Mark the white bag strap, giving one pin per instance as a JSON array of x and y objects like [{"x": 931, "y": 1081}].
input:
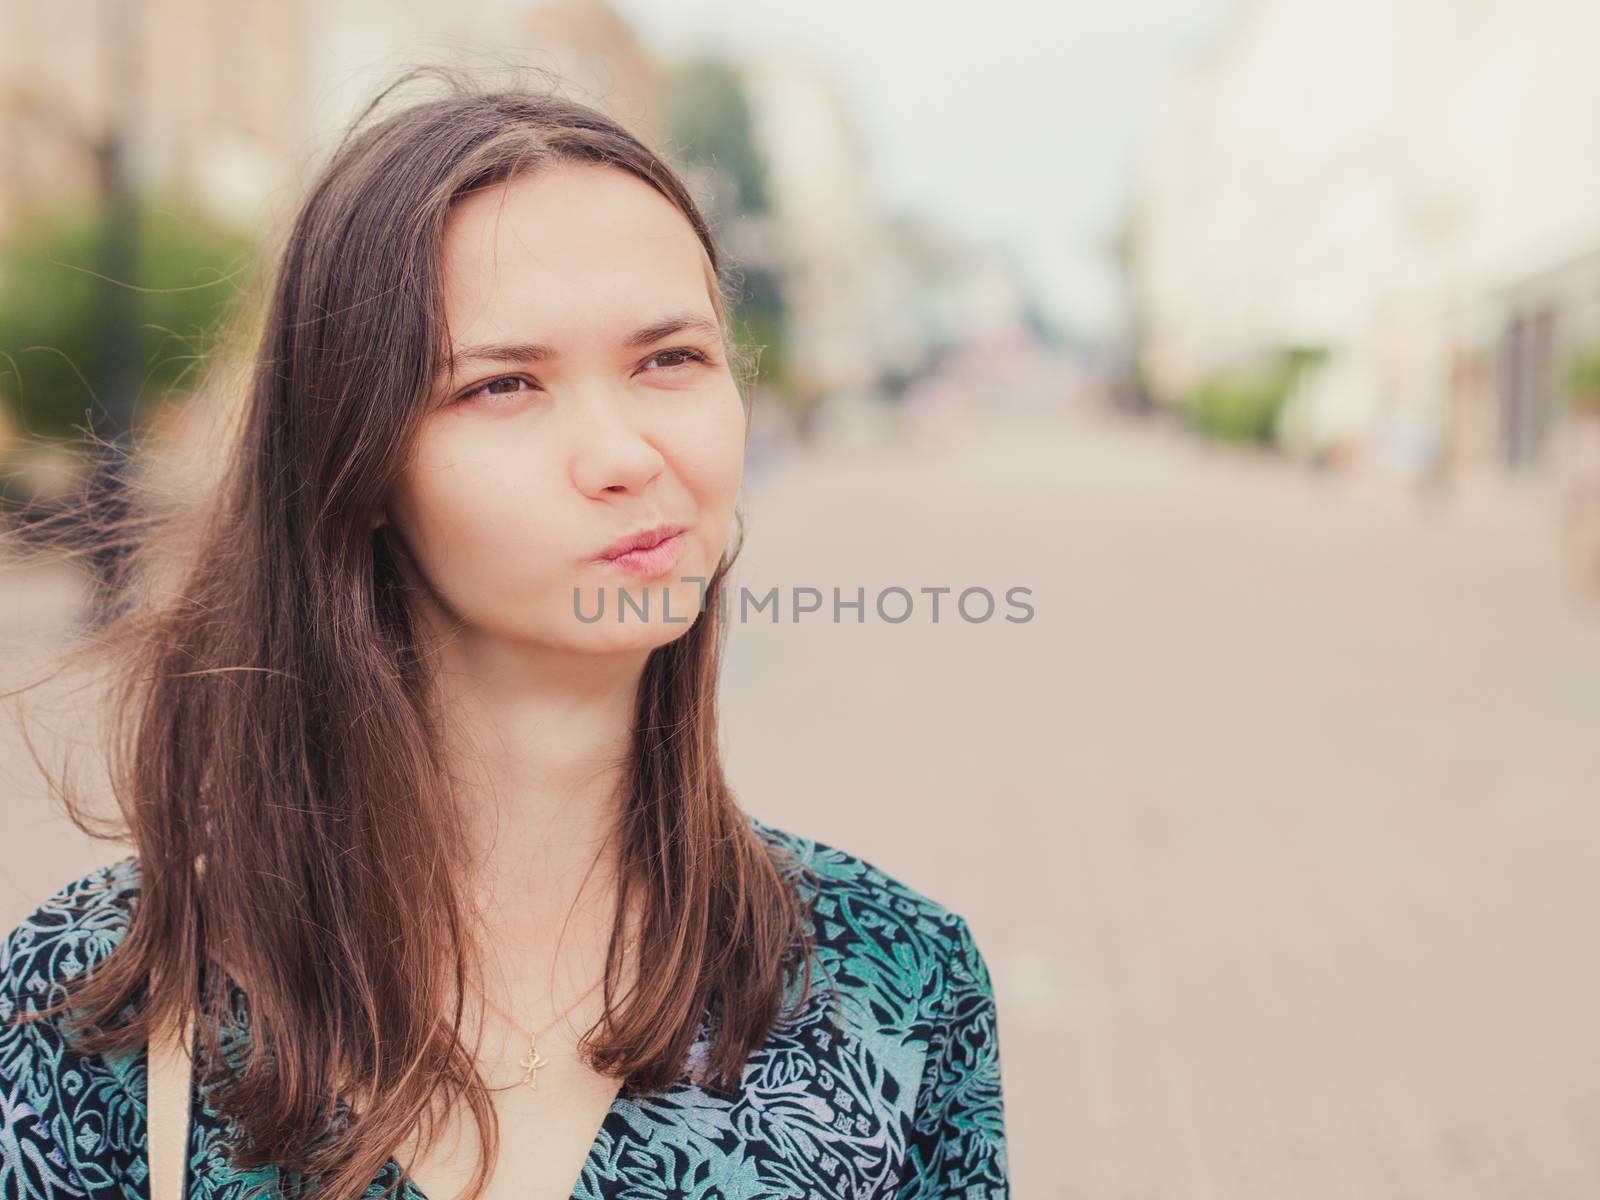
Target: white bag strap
[{"x": 170, "y": 1078}]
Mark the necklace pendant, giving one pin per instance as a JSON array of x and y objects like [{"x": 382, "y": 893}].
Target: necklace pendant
[{"x": 532, "y": 1062}]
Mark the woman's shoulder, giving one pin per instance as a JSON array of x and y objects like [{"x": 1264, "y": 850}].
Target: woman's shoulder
[
  {"x": 842, "y": 878},
  {"x": 890, "y": 936},
  {"x": 919, "y": 1052},
  {"x": 70, "y": 931}
]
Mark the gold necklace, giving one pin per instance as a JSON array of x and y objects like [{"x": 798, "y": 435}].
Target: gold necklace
[{"x": 531, "y": 1062}]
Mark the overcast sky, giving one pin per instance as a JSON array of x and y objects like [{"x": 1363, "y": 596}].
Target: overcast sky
[{"x": 1012, "y": 118}]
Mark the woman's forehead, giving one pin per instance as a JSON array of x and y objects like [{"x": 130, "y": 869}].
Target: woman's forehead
[{"x": 572, "y": 242}]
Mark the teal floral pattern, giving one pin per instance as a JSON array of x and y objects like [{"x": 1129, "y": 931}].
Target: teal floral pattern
[{"x": 886, "y": 1084}]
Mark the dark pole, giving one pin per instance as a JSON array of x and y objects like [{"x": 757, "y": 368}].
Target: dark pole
[{"x": 118, "y": 373}]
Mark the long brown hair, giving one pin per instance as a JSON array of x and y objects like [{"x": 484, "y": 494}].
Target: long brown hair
[{"x": 276, "y": 754}]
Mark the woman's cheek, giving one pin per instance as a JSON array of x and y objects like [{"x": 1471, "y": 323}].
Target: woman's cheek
[
  {"x": 716, "y": 449},
  {"x": 481, "y": 527}
]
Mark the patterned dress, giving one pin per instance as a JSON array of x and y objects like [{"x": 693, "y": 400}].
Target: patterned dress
[{"x": 889, "y": 1087}]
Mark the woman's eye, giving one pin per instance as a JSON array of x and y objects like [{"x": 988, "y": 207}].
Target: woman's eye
[
  {"x": 688, "y": 355},
  {"x": 505, "y": 385}
]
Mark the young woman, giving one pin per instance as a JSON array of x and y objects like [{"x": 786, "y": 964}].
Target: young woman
[{"x": 446, "y": 871}]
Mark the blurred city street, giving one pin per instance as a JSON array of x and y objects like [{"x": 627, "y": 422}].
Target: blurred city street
[{"x": 1274, "y": 823}]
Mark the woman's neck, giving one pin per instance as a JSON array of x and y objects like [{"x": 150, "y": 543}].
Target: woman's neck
[{"x": 543, "y": 744}]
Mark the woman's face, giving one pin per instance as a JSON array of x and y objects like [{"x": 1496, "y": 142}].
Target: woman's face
[{"x": 590, "y": 398}]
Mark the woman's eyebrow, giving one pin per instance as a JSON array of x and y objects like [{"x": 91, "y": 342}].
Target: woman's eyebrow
[{"x": 506, "y": 352}]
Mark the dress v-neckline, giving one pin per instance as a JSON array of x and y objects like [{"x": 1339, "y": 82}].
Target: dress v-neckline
[
  {"x": 410, "y": 1191},
  {"x": 615, "y": 1122}
]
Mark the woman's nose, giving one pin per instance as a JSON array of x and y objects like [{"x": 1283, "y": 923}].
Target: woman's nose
[{"x": 610, "y": 450}]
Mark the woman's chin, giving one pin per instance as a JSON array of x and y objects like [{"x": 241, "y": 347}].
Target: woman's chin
[{"x": 635, "y": 636}]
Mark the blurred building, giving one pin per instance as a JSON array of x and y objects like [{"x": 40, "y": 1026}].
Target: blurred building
[
  {"x": 826, "y": 225},
  {"x": 591, "y": 46},
  {"x": 232, "y": 102},
  {"x": 871, "y": 299},
  {"x": 211, "y": 96},
  {"x": 1411, "y": 185}
]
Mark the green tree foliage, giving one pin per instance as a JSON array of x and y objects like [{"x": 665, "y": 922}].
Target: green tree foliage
[
  {"x": 1583, "y": 379},
  {"x": 190, "y": 271},
  {"x": 708, "y": 117},
  {"x": 1243, "y": 404}
]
